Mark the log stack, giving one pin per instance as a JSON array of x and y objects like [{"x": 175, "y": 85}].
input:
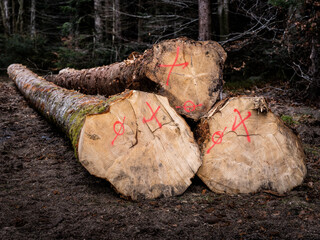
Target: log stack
[{"x": 138, "y": 141}]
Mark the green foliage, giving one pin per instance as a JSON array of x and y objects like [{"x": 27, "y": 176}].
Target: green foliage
[
  {"x": 33, "y": 52},
  {"x": 288, "y": 120}
]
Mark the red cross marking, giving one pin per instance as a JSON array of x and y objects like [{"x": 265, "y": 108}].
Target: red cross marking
[
  {"x": 234, "y": 126},
  {"x": 153, "y": 116},
  {"x": 118, "y": 133},
  {"x": 185, "y": 64},
  {"x": 219, "y": 140}
]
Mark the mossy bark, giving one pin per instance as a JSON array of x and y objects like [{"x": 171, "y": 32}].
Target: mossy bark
[
  {"x": 135, "y": 140},
  {"x": 65, "y": 108}
]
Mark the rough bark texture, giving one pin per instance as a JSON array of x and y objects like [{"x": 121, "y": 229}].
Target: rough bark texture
[
  {"x": 33, "y": 18},
  {"x": 4, "y": 6},
  {"x": 223, "y": 13},
  {"x": 188, "y": 72},
  {"x": 98, "y": 21},
  {"x": 135, "y": 140},
  {"x": 204, "y": 20},
  {"x": 247, "y": 148},
  {"x": 65, "y": 108}
]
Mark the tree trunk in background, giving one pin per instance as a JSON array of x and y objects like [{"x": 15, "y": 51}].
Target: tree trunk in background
[
  {"x": 140, "y": 23},
  {"x": 107, "y": 16},
  {"x": 188, "y": 72},
  {"x": 314, "y": 72},
  {"x": 245, "y": 148},
  {"x": 116, "y": 32},
  {"x": 223, "y": 13},
  {"x": 204, "y": 20},
  {"x": 98, "y": 21},
  {"x": 20, "y": 15},
  {"x": 33, "y": 18},
  {"x": 135, "y": 140},
  {"x": 4, "y": 4},
  {"x": 13, "y": 17}
]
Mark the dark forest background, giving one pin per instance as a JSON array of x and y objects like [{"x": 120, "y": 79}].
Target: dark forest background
[{"x": 266, "y": 40}]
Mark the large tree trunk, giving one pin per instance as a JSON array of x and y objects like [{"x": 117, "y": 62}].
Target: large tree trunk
[
  {"x": 245, "y": 148},
  {"x": 116, "y": 32},
  {"x": 223, "y": 12},
  {"x": 189, "y": 73},
  {"x": 4, "y": 6},
  {"x": 204, "y": 20},
  {"x": 107, "y": 19},
  {"x": 20, "y": 15},
  {"x": 33, "y": 18},
  {"x": 98, "y": 21},
  {"x": 135, "y": 140},
  {"x": 13, "y": 17}
]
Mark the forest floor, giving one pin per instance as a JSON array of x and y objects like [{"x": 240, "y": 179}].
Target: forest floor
[{"x": 46, "y": 194}]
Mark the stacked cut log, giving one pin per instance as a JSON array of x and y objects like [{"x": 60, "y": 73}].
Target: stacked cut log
[
  {"x": 187, "y": 72},
  {"x": 245, "y": 147},
  {"x": 137, "y": 140}
]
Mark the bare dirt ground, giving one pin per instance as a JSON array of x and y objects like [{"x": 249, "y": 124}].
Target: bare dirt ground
[{"x": 46, "y": 194}]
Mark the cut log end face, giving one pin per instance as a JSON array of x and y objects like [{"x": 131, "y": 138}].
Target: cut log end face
[
  {"x": 141, "y": 146},
  {"x": 190, "y": 74},
  {"x": 247, "y": 150}
]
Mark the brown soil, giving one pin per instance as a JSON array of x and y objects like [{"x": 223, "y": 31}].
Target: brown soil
[{"x": 46, "y": 194}]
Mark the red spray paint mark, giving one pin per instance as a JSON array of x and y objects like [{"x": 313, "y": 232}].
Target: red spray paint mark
[
  {"x": 118, "y": 133},
  {"x": 153, "y": 116},
  {"x": 241, "y": 122},
  {"x": 189, "y": 107},
  {"x": 185, "y": 64},
  {"x": 219, "y": 140},
  {"x": 234, "y": 127}
]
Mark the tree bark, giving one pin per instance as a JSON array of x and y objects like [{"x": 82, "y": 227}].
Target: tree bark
[
  {"x": 33, "y": 18},
  {"x": 4, "y": 5},
  {"x": 13, "y": 17},
  {"x": 20, "y": 15},
  {"x": 116, "y": 32},
  {"x": 223, "y": 12},
  {"x": 107, "y": 17},
  {"x": 140, "y": 23},
  {"x": 204, "y": 20},
  {"x": 135, "y": 140},
  {"x": 98, "y": 21},
  {"x": 246, "y": 148},
  {"x": 189, "y": 73}
]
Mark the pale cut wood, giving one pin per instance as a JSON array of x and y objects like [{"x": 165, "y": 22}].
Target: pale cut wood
[
  {"x": 244, "y": 156},
  {"x": 146, "y": 161},
  {"x": 187, "y": 72},
  {"x": 135, "y": 140}
]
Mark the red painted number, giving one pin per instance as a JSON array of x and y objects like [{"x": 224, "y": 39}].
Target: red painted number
[
  {"x": 120, "y": 130},
  {"x": 185, "y": 64},
  {"x": 153, "y": 115},
  {"x": 219, "y": 140},
  {"x": 189, "y": 106},
  {"x": 234, "y": 127}
]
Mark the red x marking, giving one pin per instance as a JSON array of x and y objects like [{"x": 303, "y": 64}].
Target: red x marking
[
  {"x": 153, "y": 115},
  {"x": 185, "y": 64},
  {"x": 241, "y": 122}
]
